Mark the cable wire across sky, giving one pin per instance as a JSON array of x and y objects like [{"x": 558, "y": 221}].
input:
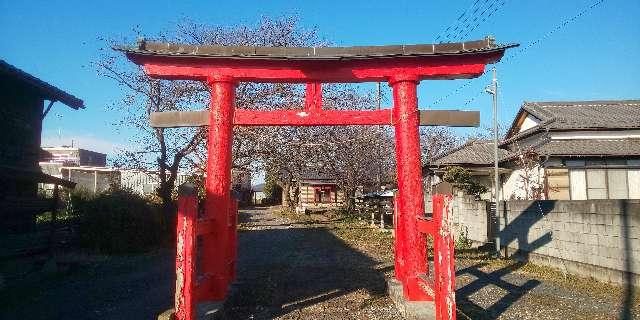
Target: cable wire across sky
[{"x": 518, "y": 53}]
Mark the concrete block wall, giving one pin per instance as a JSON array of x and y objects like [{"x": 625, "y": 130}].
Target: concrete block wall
[
  {"x": 470, "y": 219},
  {"x": 594, "y": 238}
]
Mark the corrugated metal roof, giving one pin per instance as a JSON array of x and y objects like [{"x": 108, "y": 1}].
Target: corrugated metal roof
[
  {"x": 312, "y": 53},
  {"x": 47, "y": 91}
]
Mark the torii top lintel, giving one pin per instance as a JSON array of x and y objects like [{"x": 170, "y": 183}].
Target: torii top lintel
[{"x": 321, "y": 64}]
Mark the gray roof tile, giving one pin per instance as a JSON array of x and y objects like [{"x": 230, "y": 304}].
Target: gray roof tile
[
  {"x": 475, "y": 152},
  {"x": 577, "y": 115},
  {"x": 621, "y": 147}
]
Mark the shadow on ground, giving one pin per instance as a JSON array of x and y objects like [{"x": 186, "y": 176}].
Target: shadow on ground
[
  {"x": 289, "y": 268},
  {"x": 510, "y": 292},
  {"x": 123, "y": 287}
]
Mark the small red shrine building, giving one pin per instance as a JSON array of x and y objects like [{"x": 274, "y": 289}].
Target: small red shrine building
[{"x": 318, "y": 192}]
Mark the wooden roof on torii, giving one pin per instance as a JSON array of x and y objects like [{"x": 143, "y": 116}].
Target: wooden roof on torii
[{"x": 315, "y": 65}]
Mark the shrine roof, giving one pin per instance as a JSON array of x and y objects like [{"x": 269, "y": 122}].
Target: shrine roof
[{"x": 145, "y": 47}]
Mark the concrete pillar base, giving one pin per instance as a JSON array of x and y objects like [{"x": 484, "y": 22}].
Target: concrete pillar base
[{"x": 411, "y": 310}]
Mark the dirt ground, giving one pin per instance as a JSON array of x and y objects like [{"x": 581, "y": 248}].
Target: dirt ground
[{"x": 311, "y": 268}]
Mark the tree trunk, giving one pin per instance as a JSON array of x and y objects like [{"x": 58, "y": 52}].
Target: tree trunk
[
  {"x": 349, "y": 202},
  {"x": 286, "y": 197},
  {"x": 296, "y": 196},
  {"x": 168, "y": 206}
]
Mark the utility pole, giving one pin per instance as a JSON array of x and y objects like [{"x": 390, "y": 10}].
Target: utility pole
[
  {"x": 493, "y": 90},
  {"x": 378, "y": 164}
]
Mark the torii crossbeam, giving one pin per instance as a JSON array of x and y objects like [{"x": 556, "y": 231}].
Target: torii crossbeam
[{"x": 402, "y": 67}]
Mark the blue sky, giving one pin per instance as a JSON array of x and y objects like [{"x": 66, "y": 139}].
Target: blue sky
[{"x": 597, "y": 56}]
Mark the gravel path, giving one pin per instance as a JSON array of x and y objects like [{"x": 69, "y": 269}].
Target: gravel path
[
  {"x": 315, "y": 269},
  {"x": 335, "y": 271},
  {"x": 304, "y": 271},
  {"x": 485, "y": 291}
]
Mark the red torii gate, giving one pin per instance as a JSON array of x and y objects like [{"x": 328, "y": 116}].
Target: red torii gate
[{"x": 402, "y": 66}]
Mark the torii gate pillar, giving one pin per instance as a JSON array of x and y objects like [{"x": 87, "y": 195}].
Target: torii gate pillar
[
  {"x": 218, "y": 186},
  {"x": 409, "y": 262},
  {"x": 403, "y": 67}
]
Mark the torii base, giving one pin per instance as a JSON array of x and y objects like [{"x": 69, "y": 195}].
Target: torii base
[
  {"x": 205, "y": 311},
  {"x": 410, "y": 310}
]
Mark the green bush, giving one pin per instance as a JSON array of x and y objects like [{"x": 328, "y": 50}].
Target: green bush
[
  {"x": 462, "y": 241},
  {"x": 118, "y": 222},
  {"x": 461, "y": 178}
]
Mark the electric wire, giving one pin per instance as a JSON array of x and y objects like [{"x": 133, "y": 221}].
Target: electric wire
[
  {"x": 557, "y": 28},
  {"x": 484, "y": 17},
  {"x": 463, "y": 17},
  {"x": 520, "y": 52},
  {"x": 479, "y": 16},
  {"x": 467, "y": 24},
  {"x": 466, "y": 31}
]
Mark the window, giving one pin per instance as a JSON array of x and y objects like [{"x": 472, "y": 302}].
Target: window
[
  {"x": 633, "y": 176},
  {"x": 604, "y": 179},
  {"x": 578, "y": 183},
  {"x": 596, "y": 184},
  {"x": 322, "y": 195},
  {"x": 617, "y": 182}
]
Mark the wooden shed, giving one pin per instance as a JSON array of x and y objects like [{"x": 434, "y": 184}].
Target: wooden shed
[{"x": 22, "y": 101}]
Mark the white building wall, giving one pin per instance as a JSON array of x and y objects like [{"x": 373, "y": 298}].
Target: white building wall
[
  {"x": 634, "y": 184},
  {"x": 529, "y": 122},
  {"x": 513, "y": 183},
  {"x": 144, "y": 182},
  {"x": 578, "y": 135}
]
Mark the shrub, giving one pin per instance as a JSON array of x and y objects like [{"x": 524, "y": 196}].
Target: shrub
[
  {"x": 118, "y": 221},
  {"x": 462, "y": 241},
  {"x": 461, "y": 178}
]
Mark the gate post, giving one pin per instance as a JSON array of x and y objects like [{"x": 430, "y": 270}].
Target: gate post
[
  {"x": 185, "y": 300},
  {"x": 398, "y": 245},
  {"x": 412, "y": 258},
  {"x": 233, "y": 239},
  {"x": 215, "y": 255}
]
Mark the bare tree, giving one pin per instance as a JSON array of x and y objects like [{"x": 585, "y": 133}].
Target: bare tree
[
  {"x": 486, "y": 133},
  {"x": 530, "y": 178},
  {"x": 168, "y": 150},
  {"x": 353, "y": 154},
  {"x": 435, "y": 141}
]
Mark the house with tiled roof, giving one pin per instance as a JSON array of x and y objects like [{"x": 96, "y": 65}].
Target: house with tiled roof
[
  {"x": 564, "y": 150},
  {"x": 476, "y": 155}
]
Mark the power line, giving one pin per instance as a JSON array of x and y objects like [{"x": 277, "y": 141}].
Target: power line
[
  {"x": 520, "y": 52},
  {"x": 554, "y": 30},
  {"x": 447, "y": 31},
  {"x": 478, "y": 16},
  {"x": 443, "y": 98},
  {"x": 482, "y": 9},
  {"x": 484, "y": 17},
  {"x": 474, "y": 9}
]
